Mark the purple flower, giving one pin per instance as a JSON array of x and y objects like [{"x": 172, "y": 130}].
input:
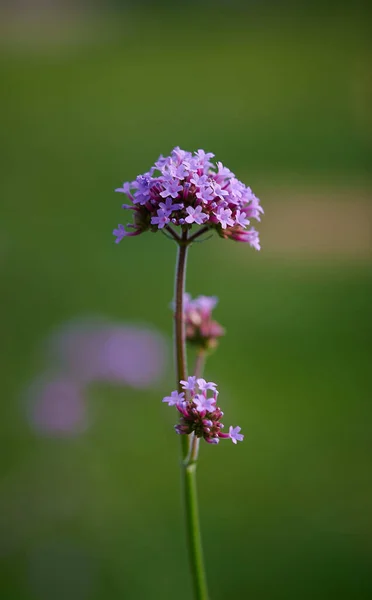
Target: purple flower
[
  {"x": 204, "y": 404},
  {"x": 178, "y": 171},
  {"x": 194, "y": 409},
  {"x": 251, "y": 237},
  {"x": 168, "y": 207},
  {"x": 203, "y": 159},
  {"x": 236, "y": 188},
  {"x": 143, "y": 188},
  {"x": 174, "y": 398},
  {"x": 171, "y": 188},
  {"x": 186, "y": 302},
  {"x": 119, "y": 233},
  {"x": 224, "y": 217},
  {"x": 201, "y": 330},
  {"x": 203, "y": 156},
  {"x": 161, "y": 219},
  {"x": 199, "y": 180},
  {"x": 189, "y": 384},
  {"x": 208, "y": 194},
  {"x": 125, "y": 190},
  {"x": 179, "y": 154},
  {"x": 223, "y": 172},
  {"x": 206, "y": 385},
  {"x": 195, "y": 215},
  {"x": 240, "y": 219},
  {"x": 96, "y": 349},
  {"x": 205, "y": 193},
  {"x": 85, "y": 351},
  {"x": 238, "y": 234},
  {"x": 235, "y": 435},
  {"x": 253, "y": 209},
  {"x": 218, "y": 191},
  {"x": 205, "y": 304},
  {"x": 161, "y": 162},
  {"x": 57, "y": 406}
]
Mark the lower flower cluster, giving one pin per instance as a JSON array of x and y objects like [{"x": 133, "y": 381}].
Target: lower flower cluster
[{"x": 199, "y": 413}]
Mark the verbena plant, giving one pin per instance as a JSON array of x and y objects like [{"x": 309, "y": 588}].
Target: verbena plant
[{"x": 185, "y": 196}]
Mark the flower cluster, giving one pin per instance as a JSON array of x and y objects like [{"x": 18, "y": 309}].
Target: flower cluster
[
  {"x": 186, "y": 189},
  {"x": 201, "y": 330},
  {"x": 200, "y": 413}
]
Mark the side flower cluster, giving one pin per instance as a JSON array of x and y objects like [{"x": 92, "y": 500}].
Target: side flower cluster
[
  {"x": 186, "y": 189},
  {"x": 201, "y": 329},
  {"x": 199, "y": 412}
]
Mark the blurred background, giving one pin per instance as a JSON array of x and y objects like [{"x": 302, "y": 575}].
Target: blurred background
[{"x": 91, "y": 94}]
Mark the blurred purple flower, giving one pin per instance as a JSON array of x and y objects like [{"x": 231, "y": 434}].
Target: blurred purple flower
[
  {"x": 133, "y": 356},
  {"x": 99, "y": 350},
  {"x": 85, "y": 351},
  {"x": 57, "y": 406}
]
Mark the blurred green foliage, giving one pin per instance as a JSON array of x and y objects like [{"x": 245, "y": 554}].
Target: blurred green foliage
[{"x": 286, "y": 515}]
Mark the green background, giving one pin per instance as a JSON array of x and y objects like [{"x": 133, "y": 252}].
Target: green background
[{"x": 282, "y": 96}]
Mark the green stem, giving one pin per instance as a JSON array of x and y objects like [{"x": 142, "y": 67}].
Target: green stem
[
  {"x": 179, "y": 326},
  {"x": 192, "y": 524},
  {"x": 189, "y": 444},
  {"x": 200, "y": 362}
]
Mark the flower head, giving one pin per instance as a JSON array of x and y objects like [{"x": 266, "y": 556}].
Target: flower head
[
  {"x": 187, "y": 189},
  {"x": 199, "y": 413},
  {"x": 201, "y": 329}
]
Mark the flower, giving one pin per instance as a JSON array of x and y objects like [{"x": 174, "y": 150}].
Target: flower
[
  {"x": 199, "y": 413},
  {"x": 119, "y": 233},
  {"x": 187, "y": 189},
  {"x": 201, "y": 329},
  {"x": 235, "y": 435},
  {"x": 83, "y": 352},
  {"x": 161, "y": 219},
  {"x": 189, "y": 384},
  {"x": 195, "y": 215},
  {"x": 141, "y": 222},
  {"x": 204, "y": 404},
  {"x": 168, "y": 206},
  {"x": 57, "y": 405},
  {"x": 224, "y": 217},
  {"x": 171, "y": 187},
  {"x": 206, "y": 385},
  {"x": 238, "y": 234},
  {"x": 96, "y": 349},
  {"x": 174, "y": 398},
  {"x": 240, "y": 219}
]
